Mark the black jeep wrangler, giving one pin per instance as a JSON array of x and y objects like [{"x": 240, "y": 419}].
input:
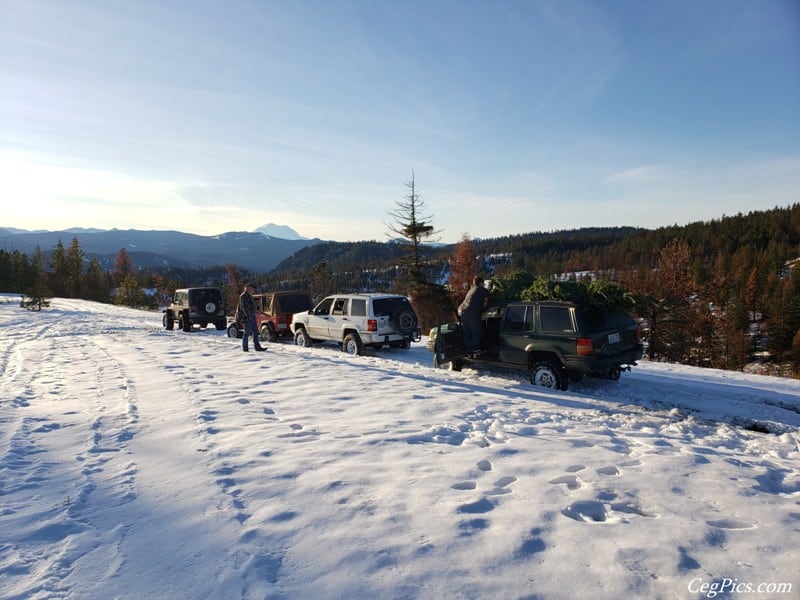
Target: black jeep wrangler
[{"x": 201, "y": 305}]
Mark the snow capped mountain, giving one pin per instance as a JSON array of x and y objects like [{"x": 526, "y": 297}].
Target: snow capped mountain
[{"x": 283, "y": 232}]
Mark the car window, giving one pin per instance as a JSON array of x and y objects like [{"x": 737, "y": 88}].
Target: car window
[
  {"x": 515, "y": 318},
  {"x": 324, "y": 307},
  {"x": 556, "y": 319},
  {"x": 202, "y": 297},
  {"x": 597, "y": 319},
  {"x": 265, "y": 303},
  {"x": 340, "y": 306},
  {"x": 291, "y": 304},
  {"x": 385, "y": 307},
  {"x": 358, "y": 307}
]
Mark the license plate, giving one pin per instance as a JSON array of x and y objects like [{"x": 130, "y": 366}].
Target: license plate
[{"x": 613, "y": 338}]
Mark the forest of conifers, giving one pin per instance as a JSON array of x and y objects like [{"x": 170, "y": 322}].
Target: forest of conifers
[{"x": 717, "y": 293}]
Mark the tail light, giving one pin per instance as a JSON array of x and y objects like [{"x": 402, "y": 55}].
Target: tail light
[
  {"x": 372, "y": 325},
  {"x": 585, "y": 346}
]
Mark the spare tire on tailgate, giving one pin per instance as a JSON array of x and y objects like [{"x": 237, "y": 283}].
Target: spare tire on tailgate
[{"x": 405, "y": 320}]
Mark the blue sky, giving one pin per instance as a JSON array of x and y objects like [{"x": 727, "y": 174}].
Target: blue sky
[{"x": 514, "y": 116}]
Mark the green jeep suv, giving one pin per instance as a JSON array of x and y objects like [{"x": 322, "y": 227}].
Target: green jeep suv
[{"x": 555, "y": 341}]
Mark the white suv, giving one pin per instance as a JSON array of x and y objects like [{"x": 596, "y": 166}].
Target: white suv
[{"x": 358, "y": 320}]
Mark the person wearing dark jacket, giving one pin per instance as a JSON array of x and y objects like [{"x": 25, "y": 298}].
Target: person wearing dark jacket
[
  {"x": 246, "y": 318},
  {"x": 470, "y": 311}
]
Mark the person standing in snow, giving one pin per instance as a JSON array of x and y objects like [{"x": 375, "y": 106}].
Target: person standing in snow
[
  {"x": 470, "y": 311},
  {"x": 246, "y": 318}
]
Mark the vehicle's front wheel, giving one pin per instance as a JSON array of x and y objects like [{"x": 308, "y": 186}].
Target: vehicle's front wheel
[
  {"x": 549, "y": 375},
  {"x": 184, "y": 322},
  {"x": 301, "y": 338},
  {"x": 353, "y": 345},
  {"x": 169, "y": 322},
  {"x": 233, "y": 331}
]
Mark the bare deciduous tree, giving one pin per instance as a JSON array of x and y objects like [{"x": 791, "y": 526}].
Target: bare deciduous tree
[{"x": 464, "y": 266}]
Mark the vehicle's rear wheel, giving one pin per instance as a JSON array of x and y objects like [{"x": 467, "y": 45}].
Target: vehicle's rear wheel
[
  {"x": 301, "y": 338},
  {"x": 549, "y": 375},
  {"x": 353, "y": 345},
  {"x": 169, "y": 322},
  {"x": 233, "y": 331},
  {"x": 272, "y": 335}
]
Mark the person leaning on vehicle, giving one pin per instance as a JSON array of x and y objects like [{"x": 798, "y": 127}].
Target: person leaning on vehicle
[
  {"x": 246, "y": 317},
  {"x": 470, "y": 311}
]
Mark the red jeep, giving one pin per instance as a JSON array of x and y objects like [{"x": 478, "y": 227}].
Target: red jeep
[{"x": 275, "y": 312}]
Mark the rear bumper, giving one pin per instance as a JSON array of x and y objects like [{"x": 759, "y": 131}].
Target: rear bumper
[
  {"x": 369, "y": 337},
  {"x": 589, "y": 365}
]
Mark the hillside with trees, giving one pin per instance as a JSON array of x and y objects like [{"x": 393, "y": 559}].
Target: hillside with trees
[{"x": 716, "y": 293}]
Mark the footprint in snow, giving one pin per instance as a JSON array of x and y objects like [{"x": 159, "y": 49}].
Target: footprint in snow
[
  {"x": 501, "y": 486},
  {"x": 610, "y": 470},
  {"x": 464, "y": 485},
  {"x": 731, "y": 524},
  {"x": 571, "y": 481}
]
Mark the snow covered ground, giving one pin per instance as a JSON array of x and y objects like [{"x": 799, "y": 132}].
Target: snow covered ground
[{"x": 141, "y": 463}]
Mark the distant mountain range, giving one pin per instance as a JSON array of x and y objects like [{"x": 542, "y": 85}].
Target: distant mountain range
[{"x": 258, "y": 251}]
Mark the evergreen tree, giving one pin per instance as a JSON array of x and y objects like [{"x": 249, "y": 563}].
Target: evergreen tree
[
  {"x": 59, "y": 274},
  {"x": 38, "y": 290},
  {"x": 129, "y": 292},
  {"x": 322, "y": 282},
  {"x": 96, "y": 283},
  {"x": 414, "y": 228},
  {"x": 74, "y": 269}
]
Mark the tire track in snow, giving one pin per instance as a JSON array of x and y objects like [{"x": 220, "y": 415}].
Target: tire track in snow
[
  {"x": 195, "y": 434},
  {"x": 54, "y": 410}
]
